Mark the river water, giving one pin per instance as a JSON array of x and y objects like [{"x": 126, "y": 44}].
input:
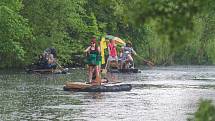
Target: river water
[{"x": 158, "y": 94}]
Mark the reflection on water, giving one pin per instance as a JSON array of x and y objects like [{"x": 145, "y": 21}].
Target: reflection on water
[{"x": 160, "y": 94}]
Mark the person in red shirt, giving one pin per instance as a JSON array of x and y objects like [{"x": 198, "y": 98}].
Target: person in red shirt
[{"x": 112, "y": 53}]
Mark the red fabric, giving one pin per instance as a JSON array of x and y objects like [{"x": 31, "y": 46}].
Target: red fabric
[
  {"x": 113, "y": 51},
  {"x": 93, "y": 41}
]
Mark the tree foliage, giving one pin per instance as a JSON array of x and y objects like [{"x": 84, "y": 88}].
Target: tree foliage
[
  {"x": 205, "y": 111},
  {"x": 164, "y": 31},
  {"x": 14, "y": 33}
]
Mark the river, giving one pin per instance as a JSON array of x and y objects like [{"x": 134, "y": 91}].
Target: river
[{"x": 158, "y": 94}]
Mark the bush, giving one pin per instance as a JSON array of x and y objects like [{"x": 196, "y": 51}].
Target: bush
[{"x": 205, "y": 112}]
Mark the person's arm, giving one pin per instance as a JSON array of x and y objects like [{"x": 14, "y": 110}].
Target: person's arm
[
  {"x": 133, "y": 51},
  {"x": 121, "y": 51},
  {"x": 108, "y": 49},
  {"x": 99, "y": 50},
  {"x": 88, "y": 49},
  {"x": 115, "y": 45}
]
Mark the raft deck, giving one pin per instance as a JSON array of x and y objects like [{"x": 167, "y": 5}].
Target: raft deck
[
  {"x": 129, "y": 70},
  {"x": 48, "y": 71},
  {"x": 83, "y": 87}
]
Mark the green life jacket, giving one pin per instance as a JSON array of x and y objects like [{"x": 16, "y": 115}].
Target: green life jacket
[{"x": 94, "y": 58}]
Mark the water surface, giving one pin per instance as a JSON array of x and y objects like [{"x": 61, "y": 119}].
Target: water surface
[{"x": 159, "y": 94}]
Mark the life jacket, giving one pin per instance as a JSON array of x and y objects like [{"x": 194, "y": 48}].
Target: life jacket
[{"x": 94, "y": 58}]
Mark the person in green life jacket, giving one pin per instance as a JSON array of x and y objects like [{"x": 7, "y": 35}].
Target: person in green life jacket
[{"x": 93, "y": 59}]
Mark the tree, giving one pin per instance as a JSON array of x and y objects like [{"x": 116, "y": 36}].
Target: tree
[
  {"x": 14, "y": 32},
  {"x": 56, "y": 23}
]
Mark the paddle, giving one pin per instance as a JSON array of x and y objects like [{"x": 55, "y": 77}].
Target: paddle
[
  {"x": 108, "y": 64},
  {"x": 149, "y": 63},
  {"x": 61, "y": 68},
  {"x": 98, "y": 79},
  {"x": 104, "y": 71}
]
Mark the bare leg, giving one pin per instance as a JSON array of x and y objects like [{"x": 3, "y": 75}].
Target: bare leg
[
  {"x": 117, "y": 64},
  {"x": 121, "y": 65},
  {"x": 90, "y": 73},
  {"x": 130, "y": 59},
  {"x": 98, "y": 71},
  {"x": 98, "y": 78},
  {"x": 107, "y": 65}
]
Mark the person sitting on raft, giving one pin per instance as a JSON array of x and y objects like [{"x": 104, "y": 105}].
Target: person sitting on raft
[
  {"x": 112, "y": 53},
  {"x": 50, "y": 61},
  {"x": 126, "y": 54},
  {"x": 93, "y": 60}
]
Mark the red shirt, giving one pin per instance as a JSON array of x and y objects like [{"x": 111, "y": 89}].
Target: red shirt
[{"x": 113, "y": 51}]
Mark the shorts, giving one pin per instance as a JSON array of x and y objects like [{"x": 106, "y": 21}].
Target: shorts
[{"x": 110, "y": 58}]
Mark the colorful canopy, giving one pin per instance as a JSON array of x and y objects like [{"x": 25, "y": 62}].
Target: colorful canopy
[
  {"x": 117, "y": 39},
  {"x": 109, "y": 37}
]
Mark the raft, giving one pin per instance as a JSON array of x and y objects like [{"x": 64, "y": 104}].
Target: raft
[
  {"x": 129, "y": 70},
  {"x": 48, "y": 71},
  {"x": 83, "y": 87}
]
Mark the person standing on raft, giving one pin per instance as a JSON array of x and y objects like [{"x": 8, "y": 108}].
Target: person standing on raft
[
  {"x": 112, "y": 54},
  {"x": 93, "y": 61}
]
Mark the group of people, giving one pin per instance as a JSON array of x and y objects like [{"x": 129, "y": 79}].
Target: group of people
[
  {"x": 125, "y": 59},
  {"x": 94, "y": 58},
  {"x": 47, "y": 60}
]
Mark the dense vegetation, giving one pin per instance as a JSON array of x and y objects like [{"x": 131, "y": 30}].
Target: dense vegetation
[
  {"x": 205, "y": 112},
  {"x": 164, "y": 31}
]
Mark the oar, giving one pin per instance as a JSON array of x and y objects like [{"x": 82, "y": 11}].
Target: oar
[
  {"x": 61, "y": 68},
  {"x": 64, "y": 70},
  {"x": 149, "y": 63},
  {"x": 108, "y": 75},
  {"x": 98, "y": 79},
  {"x": 104, "y": 71}
]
